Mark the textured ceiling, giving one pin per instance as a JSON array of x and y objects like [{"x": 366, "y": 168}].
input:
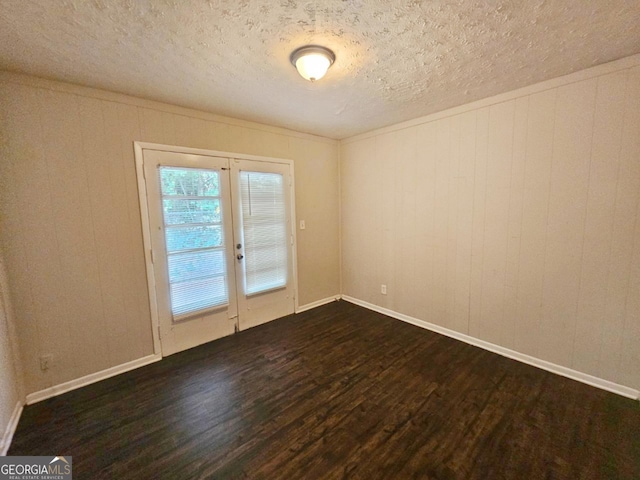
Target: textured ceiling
[{"x": 395, "y": 60}]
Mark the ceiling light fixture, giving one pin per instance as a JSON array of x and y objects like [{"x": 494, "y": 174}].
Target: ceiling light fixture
[{"x": 312, "y": 61}]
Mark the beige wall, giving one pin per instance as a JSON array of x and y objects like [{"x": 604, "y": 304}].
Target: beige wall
[
  {"x": 510, "y": 220},
  {"x": 11, "y": 389},
  {"x": 514, "y": 220},
  {"x": 70, "y": 219}
]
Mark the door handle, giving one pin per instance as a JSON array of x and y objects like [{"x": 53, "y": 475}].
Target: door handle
[{"x": 239, "y": 256}]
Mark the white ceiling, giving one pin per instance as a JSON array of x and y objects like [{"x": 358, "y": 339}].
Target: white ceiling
[{"x": 395, "y": 60}]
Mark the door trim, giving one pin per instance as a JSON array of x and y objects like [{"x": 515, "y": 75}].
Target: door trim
[{"x": 139, "y": 148}]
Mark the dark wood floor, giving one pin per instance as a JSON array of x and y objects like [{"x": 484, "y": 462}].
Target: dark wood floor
[{"x": 337, "y": 392}]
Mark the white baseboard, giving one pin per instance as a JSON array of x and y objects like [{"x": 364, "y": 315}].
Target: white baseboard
[
  {"x": 5, "y": 441},
  {"x": 318, "y": 303},
  {"x": 521, "y": 357},
  {"x": 89, "y": 379}
]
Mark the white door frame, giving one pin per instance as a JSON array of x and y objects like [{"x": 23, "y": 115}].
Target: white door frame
[{"x": 139, "y": 148}]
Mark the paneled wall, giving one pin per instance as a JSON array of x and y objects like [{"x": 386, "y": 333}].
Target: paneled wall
[
  {"x": 71, "y": 225},
  {"x": 514, "y": 220},
  {"x": 10, "y": 372}
]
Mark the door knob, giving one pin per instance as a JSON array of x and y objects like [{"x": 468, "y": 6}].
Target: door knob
[{"x": 239, "y": 256}]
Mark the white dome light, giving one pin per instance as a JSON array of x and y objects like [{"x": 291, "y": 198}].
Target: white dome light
[{"x": 312, "y": 61}]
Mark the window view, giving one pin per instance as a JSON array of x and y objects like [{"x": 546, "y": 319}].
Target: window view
[
  {"x": 264, "y": 226},
  {"x": 194, "y": 238}
]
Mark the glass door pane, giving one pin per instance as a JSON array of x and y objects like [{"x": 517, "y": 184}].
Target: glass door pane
[
  {"x": 194, "y": 239},
  {"x": 264, "y": 230}
]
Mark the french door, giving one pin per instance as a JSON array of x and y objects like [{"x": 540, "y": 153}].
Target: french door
[{"x": 220, "y": 232}]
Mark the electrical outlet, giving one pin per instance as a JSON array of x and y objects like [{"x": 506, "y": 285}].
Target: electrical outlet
[
  {"x": 383, "y": 289},
  {"x": 46, "y": 362}
]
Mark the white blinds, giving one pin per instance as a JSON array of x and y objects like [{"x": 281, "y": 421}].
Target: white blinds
[
  {"x": 264, "y": 228},
  {"x": 194, "y": 238}
]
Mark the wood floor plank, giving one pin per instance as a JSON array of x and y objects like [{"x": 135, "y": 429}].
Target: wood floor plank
[{"x": 338, "y": 392}]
